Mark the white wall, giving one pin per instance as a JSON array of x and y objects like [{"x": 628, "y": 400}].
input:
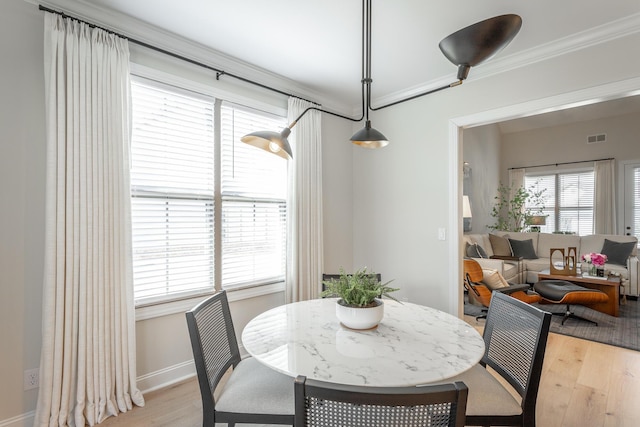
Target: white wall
[
  {"x": 387, "y": 219},
  {"x": 482, "y": 151},
  {"x": 22, "y": 179},
  {"x": 405, "y": 192},
  {"x": 163, "y": 348}
]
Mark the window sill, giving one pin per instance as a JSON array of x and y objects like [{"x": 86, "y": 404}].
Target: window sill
[{"x": 182, "y": 306}]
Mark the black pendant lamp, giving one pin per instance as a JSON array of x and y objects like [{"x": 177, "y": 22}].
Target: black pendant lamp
[{"x": 465, "y": 48}]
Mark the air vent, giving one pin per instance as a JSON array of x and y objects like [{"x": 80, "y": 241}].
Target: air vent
[{"x": 596, "y": 139}]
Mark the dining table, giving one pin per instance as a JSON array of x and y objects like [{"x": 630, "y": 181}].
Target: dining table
[{"x": 412, "y": 345}]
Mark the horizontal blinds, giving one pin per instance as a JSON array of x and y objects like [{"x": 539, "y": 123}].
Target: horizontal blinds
[
  {"x": 545, "y": 184},
  {"x": 636, "y": 202},
  {"x": 172, "y": 188},
  {"x": 568, "y": 201},
  {"x": 576, "y": 202},
  {"x": 254, "y": 188}
]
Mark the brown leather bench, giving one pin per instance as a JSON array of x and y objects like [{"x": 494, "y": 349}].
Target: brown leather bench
[{"x": 563, "y": 292}]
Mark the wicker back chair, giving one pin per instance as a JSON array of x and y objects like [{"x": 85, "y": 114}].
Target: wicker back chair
[
  {"x": 320, "y": 404},
  {"x": 252, "y": 393},
  {"x": 515, "y": 337}
]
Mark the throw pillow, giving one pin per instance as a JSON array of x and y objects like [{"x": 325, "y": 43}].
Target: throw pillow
[
  {"x": 617, "y": 252},
  {"x": 500, "y": 245},
  {"x": 475, "y": 251},
  {"x": 493, "y": 279},
  {"x": 523, "y": 248}
]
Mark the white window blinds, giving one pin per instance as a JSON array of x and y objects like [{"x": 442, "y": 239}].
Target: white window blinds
[
  {"x": 568, "y": 201},
  {"x": 172, "y": 189},
  {"x": 254, "y": 188},
  {"x": 636, "y": 202}
]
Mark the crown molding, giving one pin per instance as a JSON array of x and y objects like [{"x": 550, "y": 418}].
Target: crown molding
[
  {"x": 158, "y": 37},
  {"x": 594, "y": 36},
  {"x": 144, "y": 32}
]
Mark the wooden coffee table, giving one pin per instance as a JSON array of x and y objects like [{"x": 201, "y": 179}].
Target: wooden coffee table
[{"x": 608, "y": 285}]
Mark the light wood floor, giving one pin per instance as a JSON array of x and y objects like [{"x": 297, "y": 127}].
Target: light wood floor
[{"x": 584, "y": 384}]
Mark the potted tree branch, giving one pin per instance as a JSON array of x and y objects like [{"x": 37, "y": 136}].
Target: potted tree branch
[
  {"x": 514, "y": 209},
  {"x": 359, "y": 305}
]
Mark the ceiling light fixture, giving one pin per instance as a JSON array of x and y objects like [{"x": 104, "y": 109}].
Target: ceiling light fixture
[{"x": 465, "y": 48}]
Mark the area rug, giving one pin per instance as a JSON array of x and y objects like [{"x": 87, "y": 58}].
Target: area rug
[{"x": 623, "y": 331}]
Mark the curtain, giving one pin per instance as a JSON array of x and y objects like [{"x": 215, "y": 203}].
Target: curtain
[
  {"x": 88, "y": 343},
  {"x": 304, "y": 205},
  {"x": 516, "y": 179},
  {"x": 605, "y": 197}
]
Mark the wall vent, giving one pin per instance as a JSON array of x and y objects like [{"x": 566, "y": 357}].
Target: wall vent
[{"x": 596, "y": 139}]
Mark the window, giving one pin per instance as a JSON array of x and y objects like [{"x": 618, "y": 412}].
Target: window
[
  {"x": 254, "y": 191},
  {"x": 568, "y": 201},
  {"x": 632, "y": 199},
  {"x": 178, "y": 177}
]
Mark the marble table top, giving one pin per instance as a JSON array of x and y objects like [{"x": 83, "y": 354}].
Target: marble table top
[{"x": 412, "y": 345}]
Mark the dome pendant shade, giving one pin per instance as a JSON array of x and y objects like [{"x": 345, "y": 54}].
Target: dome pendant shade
[
  {"x": 369, "y": 137},
  {"x": 272, "y": 142},
  {"x": 476, "y": 43}
]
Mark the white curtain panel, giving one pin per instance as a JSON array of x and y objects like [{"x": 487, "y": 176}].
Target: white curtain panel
[
  {"x": 304, "y": 205},
  {"x": 516, "y": 179},
  {"x": 88, "y": 344},
  {"x": 605, "y": 197}
]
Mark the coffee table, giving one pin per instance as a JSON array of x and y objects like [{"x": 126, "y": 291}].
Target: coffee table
[{"x": 608, "y": 285}]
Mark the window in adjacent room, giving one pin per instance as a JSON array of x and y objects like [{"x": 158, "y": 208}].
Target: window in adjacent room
[
  {"x": 632, "y": 199},
  {"x": 206, "y": 209},
  {"x": 568, "y": 200}
]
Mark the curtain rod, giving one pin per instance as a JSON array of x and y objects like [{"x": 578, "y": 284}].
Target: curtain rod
[
  {"x": 562, "y": 163},
  {"x": 218, "y": 72}
]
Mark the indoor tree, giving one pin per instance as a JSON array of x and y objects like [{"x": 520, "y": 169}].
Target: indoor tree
[{"x": 515, "y": 207}]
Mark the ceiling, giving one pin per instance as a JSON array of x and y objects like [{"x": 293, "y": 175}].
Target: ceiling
[{"x": 317, "y": 43}]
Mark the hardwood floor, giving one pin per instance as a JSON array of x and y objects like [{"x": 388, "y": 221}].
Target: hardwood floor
[{"x": 584, "y": 384}]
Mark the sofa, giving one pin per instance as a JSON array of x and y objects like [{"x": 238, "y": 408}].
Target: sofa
[{"x": 519, "y": 257}]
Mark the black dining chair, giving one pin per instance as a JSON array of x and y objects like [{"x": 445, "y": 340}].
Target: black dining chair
[
  {"x": 322, "y": 404},
  {"x": 251, "y": 392},
  {"x": 515, "y": 337}
]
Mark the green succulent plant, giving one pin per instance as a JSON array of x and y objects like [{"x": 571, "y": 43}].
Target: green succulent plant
[{"x": 359, "y": 289}]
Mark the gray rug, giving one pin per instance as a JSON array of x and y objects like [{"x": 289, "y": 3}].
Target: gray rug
[{"x": 623, "y": 331}]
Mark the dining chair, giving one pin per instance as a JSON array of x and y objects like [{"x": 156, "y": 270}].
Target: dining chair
[
  {"x": 234, "y": 390},
  {"x": 322, "y": 404},
  {"x": 515, "y": 337}
]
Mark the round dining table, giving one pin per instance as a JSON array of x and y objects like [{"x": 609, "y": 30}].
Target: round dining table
[{"x": 412, "y": 345}]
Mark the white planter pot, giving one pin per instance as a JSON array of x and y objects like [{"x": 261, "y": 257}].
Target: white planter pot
[{"x": 359, "y": 317}]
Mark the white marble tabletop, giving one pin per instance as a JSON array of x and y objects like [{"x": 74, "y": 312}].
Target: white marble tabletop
[{"x": 412, "y": 345}]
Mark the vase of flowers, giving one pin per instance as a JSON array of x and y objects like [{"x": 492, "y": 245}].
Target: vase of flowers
[{"x": 595, "y": 261}]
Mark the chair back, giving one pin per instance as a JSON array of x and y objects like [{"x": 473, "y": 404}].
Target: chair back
[
  {"x": 473, "y": 270},
  {"x": 515, "y": 337},
  {"x": 214, "y": 344},
  {"x": 321, "y": 404}
]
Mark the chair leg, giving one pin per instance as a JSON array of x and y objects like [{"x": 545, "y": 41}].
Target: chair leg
[
  {"x": 483, "y": 315},
  {"x": 570, "y": 314}
]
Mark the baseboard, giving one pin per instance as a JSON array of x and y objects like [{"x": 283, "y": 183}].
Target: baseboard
[
  {"x": 146, "y": 383},
  {"x": 22, "y": 420},
  {"x": 166, "y": 377}
]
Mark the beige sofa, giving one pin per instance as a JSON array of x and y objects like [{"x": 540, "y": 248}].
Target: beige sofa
[{"x": 527, "y": 269}]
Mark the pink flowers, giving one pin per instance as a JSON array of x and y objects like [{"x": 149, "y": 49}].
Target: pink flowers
[{"x": 595, "y": 259}]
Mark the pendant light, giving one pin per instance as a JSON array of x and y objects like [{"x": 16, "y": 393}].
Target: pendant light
[{"x": 465, "y": 48}]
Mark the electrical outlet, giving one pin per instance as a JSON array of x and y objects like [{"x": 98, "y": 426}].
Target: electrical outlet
[{"x": 31, "y": 379}]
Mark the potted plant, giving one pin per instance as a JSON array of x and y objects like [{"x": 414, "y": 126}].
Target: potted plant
[
  {"x": 359, "y": 305},
  {"x": 515, "y": 208}
]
